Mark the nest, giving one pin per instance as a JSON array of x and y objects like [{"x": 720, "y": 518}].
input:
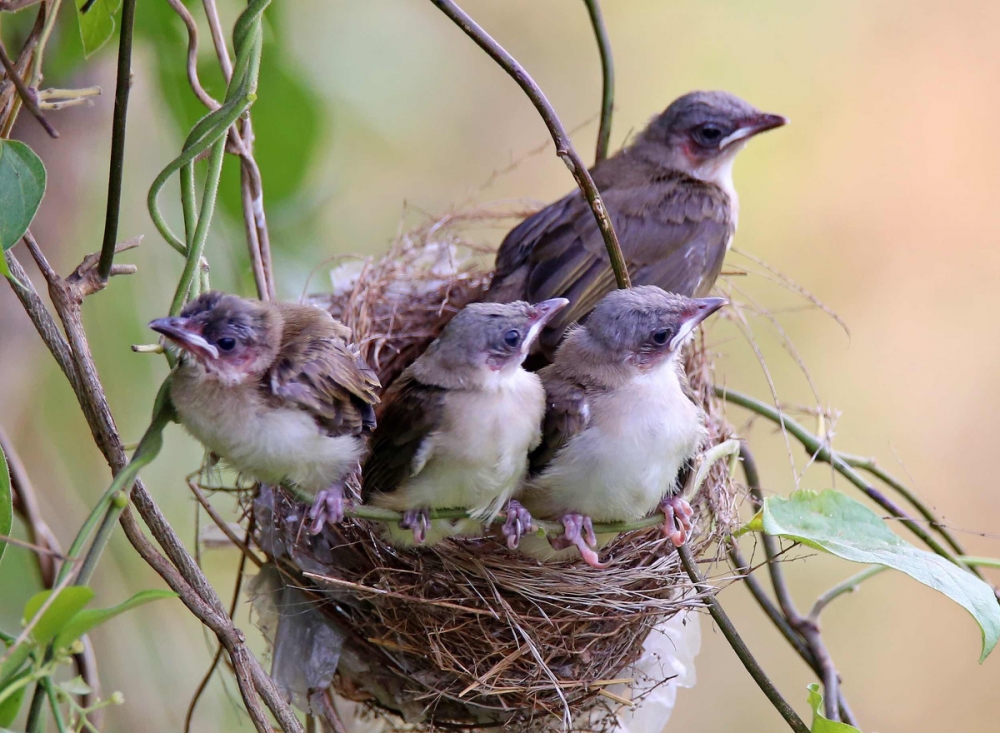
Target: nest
[{"x": 469, "y": 634}]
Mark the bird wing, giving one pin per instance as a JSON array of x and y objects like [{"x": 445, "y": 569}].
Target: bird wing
[
  {"x": 410, "y": 411},
  {"x": 318, "y": 371},
  {"x": 567, "y": 413},
  {"x": 673, "y": 231}
]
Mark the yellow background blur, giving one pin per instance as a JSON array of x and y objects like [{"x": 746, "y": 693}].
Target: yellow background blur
[{"x": 881, "y": 198}]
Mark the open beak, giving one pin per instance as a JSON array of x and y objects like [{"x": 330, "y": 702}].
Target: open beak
[
  {"x": 179, "y": 331},
  {"x": 703, "y": 308},
  {"x": 754, "y": 125},
  {"x": 543, "y": 313}
]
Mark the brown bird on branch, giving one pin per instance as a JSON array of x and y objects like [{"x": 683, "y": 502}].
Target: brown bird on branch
[
  {"x": 276, "y": 390},
  {"x": 671, "y": 199},
  {"x": 618, "y": 424},
  {"x": 455, "y": 429}
]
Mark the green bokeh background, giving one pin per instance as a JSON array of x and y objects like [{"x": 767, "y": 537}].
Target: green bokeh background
[{"x": 880, "y": 198}]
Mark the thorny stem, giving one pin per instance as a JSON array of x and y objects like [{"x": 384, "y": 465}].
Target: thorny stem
[
  {"x": 821, "y": 452},
  {"x": 117, "y": 170},
  {"x": 608, "y": 78},
  {"x": 806, "y": 628},
  {"x": 738, "y": 645},
  {"x": 564, "y": 146}
]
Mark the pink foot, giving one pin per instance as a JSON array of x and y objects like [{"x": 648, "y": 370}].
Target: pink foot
[
  {"x": 579, "y": 532},
  {"x": 677, "y": 515},
  {"x": 518, "y": 522},
  {"x": 328, "y": 507},
  {"x": 419, "y": 521}
]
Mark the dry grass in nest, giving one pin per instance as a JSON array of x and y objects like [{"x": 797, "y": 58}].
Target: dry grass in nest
[{"x": 468, "y": 633}]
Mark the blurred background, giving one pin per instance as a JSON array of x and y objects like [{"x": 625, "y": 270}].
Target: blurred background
[{"x": 880, "y": 198}]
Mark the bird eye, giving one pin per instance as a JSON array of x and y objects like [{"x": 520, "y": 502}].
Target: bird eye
[
  {"x": 661, "y": 337},
  {"x": 226, "y": 343},
  {"x": 709, "y": 134},
  {"x": 512, "y": 338}
]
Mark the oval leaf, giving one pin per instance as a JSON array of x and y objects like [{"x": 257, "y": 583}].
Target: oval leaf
[
  {"x": 87, "y": 619},
  {"x": 22, "y": 184},
  {"x": 6, "y": 501},
  {"x": 822, "y": 724},
  {"x": 835, "y": 523},
  {"x": 69, "y": 603},
  {"x": 97, "y": 22},
  {"x": 10, "y": 707}
]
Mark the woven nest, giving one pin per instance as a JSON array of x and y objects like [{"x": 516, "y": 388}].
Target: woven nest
[{"x": 467, "y": 633}]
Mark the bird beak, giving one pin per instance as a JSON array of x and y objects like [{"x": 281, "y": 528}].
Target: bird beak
[
  {"x": 543, "y": 313},
  {"x": 703, "y": 308},
  {"x": 754, "y": 125},
  {"x": 179, "y": 331}
]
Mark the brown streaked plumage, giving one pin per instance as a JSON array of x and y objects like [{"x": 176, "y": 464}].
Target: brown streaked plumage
[
  {"x": 671, "y": 199},
  {"x": 455, "y": 429},
  {"x": 618, "y": 425},
  {"x": 276, "y": 390}
]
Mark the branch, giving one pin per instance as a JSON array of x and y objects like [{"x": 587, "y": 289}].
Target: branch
[
  {"x": 28, "y": 96},
  {"x": 608, "y": 76},
  {"x": 564, "y": 146},
  {"x": 821, "y": 452},
  {"x": 117, "y": 168},
  {"x": 738, "y": 645}
]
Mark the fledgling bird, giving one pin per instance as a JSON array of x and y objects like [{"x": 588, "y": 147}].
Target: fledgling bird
[
  {"x": 455, "y": 428},
  {"x": 671, "y": 199},
  {"x": 276, "y": 390},
  {"x": 618, "y": 425}
]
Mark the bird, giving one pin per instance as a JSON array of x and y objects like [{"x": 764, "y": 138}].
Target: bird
[
  {"x": 619, "y": 425},
  {"x": 277, "y": 391},
  {"x": 455, "y": 428},
  {"x": 671, "y": 200}
]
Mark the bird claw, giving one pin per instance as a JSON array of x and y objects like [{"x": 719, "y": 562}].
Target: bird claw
[
  {"x": 518, "y": 522},
  {"x": 579, "y": 533},
  {"x": 328, "y": 507},
  {"x": 419, "y": 521},
  {"x": 677, "y": 523}
]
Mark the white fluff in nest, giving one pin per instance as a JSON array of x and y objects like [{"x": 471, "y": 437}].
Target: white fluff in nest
[{"x": 441, "y": 262}]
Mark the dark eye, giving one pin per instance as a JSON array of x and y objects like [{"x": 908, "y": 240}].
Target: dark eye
[
  {"x": 709, "y": 134},
  {"x": 512, "y": 338},
  {"x": 226, "y": 343},
  {"x": 661, "y": 337}
]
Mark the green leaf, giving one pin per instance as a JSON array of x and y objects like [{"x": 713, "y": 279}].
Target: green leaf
[
  {"x": 822, "y": 724},
  {"x": 69, "y": 603},
  {"x": 75, "y": 686},
  {"x": 97, "y": 22},
  {"x": 22, "y": 184},
  {"x": 6, "y": 501},
  {"x": 10, "y": 707},
  {"x": 87, "y": 619},
  {"x": 835, "y": 523}
]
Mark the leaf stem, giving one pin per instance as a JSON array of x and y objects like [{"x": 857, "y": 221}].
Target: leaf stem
[
  {"x": 564, "y": 146},
  {"x": 117, "y": 169}
]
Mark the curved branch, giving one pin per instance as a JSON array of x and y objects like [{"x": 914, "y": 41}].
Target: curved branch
[
  {"x": 608, "y": 78},
  {"x": 564, "y": 146}
]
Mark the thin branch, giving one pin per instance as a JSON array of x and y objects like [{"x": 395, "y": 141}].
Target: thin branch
[
  {"x": 117, "y": 168},
  {"x": 28, "y": 96},
  {"x": 738, "y": 645},
  {"x": 564, "y": 146},
  {"x": 607, "y": 75},
  {"x": 848, "y": 586}
]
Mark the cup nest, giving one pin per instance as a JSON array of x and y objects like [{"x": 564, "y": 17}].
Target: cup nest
[{"x": 467, "y": 633}]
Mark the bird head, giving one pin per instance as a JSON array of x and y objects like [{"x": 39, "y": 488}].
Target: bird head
[
  {"x": 646, "y": 326},
  {"x": 488, "y": 337},
  {"x": 230, "y": 338},
  {"x": 701, "y": 132}
]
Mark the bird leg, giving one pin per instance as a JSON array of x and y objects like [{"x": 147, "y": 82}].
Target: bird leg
[
  {"x": 677, "y": 515},
  {"x": 518, "y": 522},
  {"x": 328, "y": 507},
  {"x": 419, "y": 521},
  {"x": 579, "y": 532}
]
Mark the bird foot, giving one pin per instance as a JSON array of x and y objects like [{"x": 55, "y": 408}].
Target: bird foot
[
  {"x": 328, "y": 508},
  {"x": 579, "y": 533},
  {"x": 419, "y": 521},
  {"x": 518, "y": 522},
  {"x": 677, "y": 515}
]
